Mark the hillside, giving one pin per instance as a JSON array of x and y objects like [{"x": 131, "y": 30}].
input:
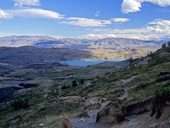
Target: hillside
[
  {"x": 131, "y": 91},
  {"x": 20, "y": 56},
  {"x": 60, "y": 89}
]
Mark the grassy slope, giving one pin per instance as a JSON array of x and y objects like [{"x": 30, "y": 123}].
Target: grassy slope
[
  {"x": 46, "y": 107},
  {"x": 140, "y": 79},
  {"x": 44, "y": 102}
]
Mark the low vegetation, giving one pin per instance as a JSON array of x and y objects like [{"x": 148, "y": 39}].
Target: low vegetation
[
  {"x": 146, "y": 79},
  {"x": 160, "y": 98}
]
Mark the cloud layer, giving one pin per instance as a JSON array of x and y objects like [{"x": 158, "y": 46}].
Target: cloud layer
[
  {"x": 120, "y": 20},
  {"x": 4, "y": 15},
  {"x": 21, "y": 3},
  {"x": 48, "y": 14},
  {"x": 86, "y": 22},
  {"x": 156, "y": 29},
  {"x": 129, "y": 6},
  {"x": 98, "y": 36},
  {"x": 27, "y": 9},
  {"x": 35, "y": 13}
]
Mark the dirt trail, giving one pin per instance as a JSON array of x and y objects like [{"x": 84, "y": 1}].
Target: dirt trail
[
  {"x": 125, "y": 88},
  {"x": 135, "y": 121},
  {"x": 89, "y": 122}
]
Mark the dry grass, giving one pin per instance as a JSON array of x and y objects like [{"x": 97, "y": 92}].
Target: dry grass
[
  {"x": 109, "y": 54},
  {"x": 56, "y": 120}
]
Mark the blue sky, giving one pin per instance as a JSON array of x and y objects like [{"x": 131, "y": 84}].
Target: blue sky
[{"x": 144, "y": 19}]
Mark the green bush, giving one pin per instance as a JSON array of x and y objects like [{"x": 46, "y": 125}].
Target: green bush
[
  {"x": 20, "y": 104},
  {"x": 160, "y": 99},
  {"x": 81, "y": 81},
  {"x": 74, "y": 84}
]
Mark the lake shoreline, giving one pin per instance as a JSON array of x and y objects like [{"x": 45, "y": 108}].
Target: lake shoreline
[{"x": 84, "y": 63}]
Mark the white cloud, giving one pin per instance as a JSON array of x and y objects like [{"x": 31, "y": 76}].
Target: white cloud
[
  {"x": 119, "y": 20},
  {"x": 35, "y": 13},
  {"x": 159, "y": 28},
  {"x": 156, "y": 29},
  {"x": 97, "y": 36},
  {"x": 162, "y": 3},
  {"x": 21, "y": 3},
  {"x": 4, "y": 14},
  {"x": 85, "y": 22},
  {"x": 129, "y": 6},
  {"x": 97, "y": 13}
]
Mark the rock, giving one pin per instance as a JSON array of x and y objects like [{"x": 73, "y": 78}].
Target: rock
[
  {"x": 83, "y": 120},
  {"x": 154, "y": 125},
  {"x": 94, "y": 101},
  {"x": 66, "y": 124},
  {"x": 84, "y": 114},
  {"x": 138, "y": 107},
  {"x": 41, "y": 125},
  {"x": 111, "y": 114}
]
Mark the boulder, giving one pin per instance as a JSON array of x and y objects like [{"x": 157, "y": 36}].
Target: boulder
[
  {"x": 41, "y": 125},
  {"x": 84, "y": 114},
  {"x": 111, "y": 114},
  {"x": 154, "y": 125},
  {"x": 138, "y": 107},
  {"x": 66, "y": 124}
]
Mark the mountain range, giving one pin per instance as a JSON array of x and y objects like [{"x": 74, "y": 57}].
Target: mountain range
[
  {"x": 45, "y": 47},
  {"x": 82, "y": 44}
]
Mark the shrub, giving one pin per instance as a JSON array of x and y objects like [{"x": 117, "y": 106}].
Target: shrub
[
  {"x": 74, "y": 83},
  {"x": 163, "y": 73},
  {"x": 164, "y": 45},
  {"x": 168, "y": 43},
  {"x": 65, "y": 87},
  {"x": 160, "y": 99},
  {"x": 163, "y": 78},
  {"x": 20, "y": 104},
  {"x": 81, "y": 81}
]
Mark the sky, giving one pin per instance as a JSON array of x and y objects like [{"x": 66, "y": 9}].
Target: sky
[{"x": 139, "y": 19}]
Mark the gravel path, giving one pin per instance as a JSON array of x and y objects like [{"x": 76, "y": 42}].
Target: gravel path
[{"x": 88, "y": 122}]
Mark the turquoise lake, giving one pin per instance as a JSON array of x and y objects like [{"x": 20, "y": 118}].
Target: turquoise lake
[{"x": 84, "y": 63}]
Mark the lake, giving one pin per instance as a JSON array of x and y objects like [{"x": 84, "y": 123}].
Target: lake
[{"x": 84, "y": 63}]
